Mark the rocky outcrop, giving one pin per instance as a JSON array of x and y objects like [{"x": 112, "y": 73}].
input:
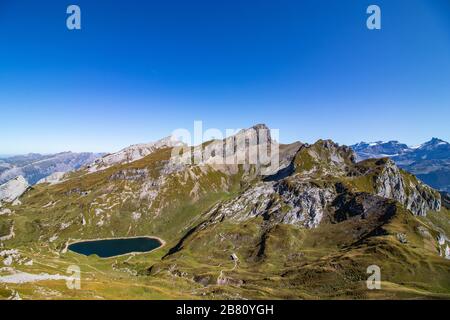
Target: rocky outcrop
[
  {"x": 389, "y": 184},
  {"x": 422, "y": 199},
  {"x": 445, "y": 196},
  {"x": 10, "y": 235},
  {"x": 348, "y": 205},
  {"x": 441, "y": 239},
  {"x": 300, "y": 204},
  {"x": 304, "y": 203},
  {"x": 13, "y": 189},
  {"x": 414, "y": 195},
  {"x": 255, "y": 201},
  {"x": 323, "y": 158}
]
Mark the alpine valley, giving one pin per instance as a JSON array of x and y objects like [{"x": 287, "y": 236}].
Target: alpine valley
[{"x": 309, "y": 229}]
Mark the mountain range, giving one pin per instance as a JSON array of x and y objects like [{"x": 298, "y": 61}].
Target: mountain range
[
  {"x": 34, "y": 167},
  {"x": 308, "y": 229},
  {"x": 430, "y": 161}
]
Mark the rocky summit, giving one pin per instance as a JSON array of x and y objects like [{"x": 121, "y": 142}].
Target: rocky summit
[{"x": 305, "y": 225}]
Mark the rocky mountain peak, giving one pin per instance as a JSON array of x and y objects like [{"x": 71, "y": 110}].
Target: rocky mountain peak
[
  {"x": 325, "y": 157},
  {"x": 434, "y": 143},
  {"x": 379, "y": 149},
  {"x": 260, "y": 126},
  {"x": 258, "y": 134}
]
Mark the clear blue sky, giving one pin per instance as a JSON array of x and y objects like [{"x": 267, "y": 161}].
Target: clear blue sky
[{"x": 140, "y": 69}]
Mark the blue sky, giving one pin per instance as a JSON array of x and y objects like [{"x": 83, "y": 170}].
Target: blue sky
[{"x": 140, "y": 69}]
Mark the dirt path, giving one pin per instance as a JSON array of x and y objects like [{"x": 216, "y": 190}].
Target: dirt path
[{"x": 221, "y": 279}]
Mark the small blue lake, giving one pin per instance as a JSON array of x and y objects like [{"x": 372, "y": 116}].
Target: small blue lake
[{"x": 115, "y": 247}]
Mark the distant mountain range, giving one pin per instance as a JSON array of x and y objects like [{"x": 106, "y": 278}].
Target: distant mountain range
[
  {"x": 429, "y": 161},
  {"x": 34, "y": 167}
]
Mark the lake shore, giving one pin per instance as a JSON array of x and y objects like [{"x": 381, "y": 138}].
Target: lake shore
[{"x": 161, "y": 241}]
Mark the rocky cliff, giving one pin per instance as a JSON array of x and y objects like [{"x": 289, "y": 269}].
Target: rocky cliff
[
  {"x": 414, "y": 195},
  {"x": 13, "y": 189}
]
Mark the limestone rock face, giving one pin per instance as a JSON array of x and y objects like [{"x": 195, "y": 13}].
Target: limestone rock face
[
  {"x": 13, "y": 189},
  {"x": 300, "y": 204},
  {"x": 414, "y": 195},
  {"x": 389, "y": 183},
  {"x": 445, "y": 196},
  {"x": 441, "y": 239},
  {"x": 422, "y": 199},
  {"x": 306, "y": 202}
]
